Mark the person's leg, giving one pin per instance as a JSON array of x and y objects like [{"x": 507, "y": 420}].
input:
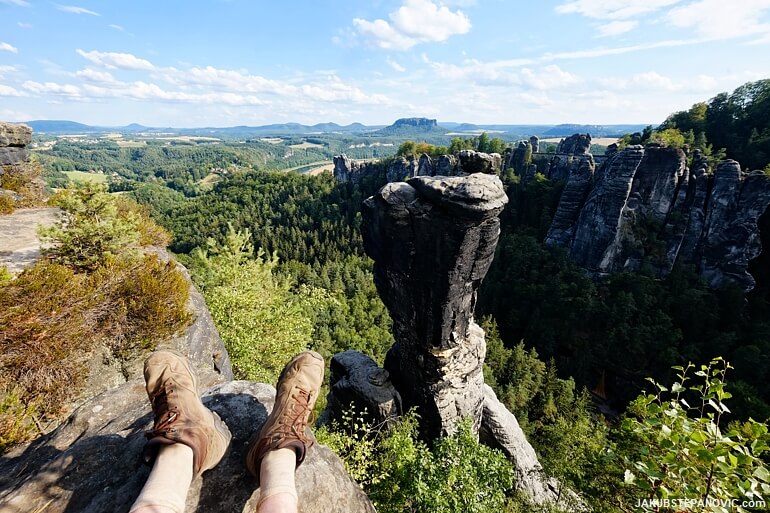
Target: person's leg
[
  {"x": 166, "y": 488},
  {"x": 186, "y": 439},
  {"x": 282, "y": 442}
]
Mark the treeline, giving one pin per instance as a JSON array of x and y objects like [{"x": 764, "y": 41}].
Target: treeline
[{"x": 737, "y": 121}]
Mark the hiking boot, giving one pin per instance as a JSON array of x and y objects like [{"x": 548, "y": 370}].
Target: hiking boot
[
  {"x": 287, "y": 424},
  {"x": 180, "y": 417}
]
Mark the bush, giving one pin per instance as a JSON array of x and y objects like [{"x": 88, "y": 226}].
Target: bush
[
  {"x": 92, "y": 228},
  {"x": 7, "y": 204},
  {"x": 51, "y": 320},
  {"x": 401, "y": 473},
  {"x": 683, "y": 451},
  {"x": 260, "y": 321}
]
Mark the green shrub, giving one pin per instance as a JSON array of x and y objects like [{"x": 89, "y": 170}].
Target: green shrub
[
  {"x": 401, "y": 473},
  {"x": 684, "y": 452},
  {"x": 7, "y": 204},
  {"x": 91, "y": 230},
  {"x": 260, "y": 321}
]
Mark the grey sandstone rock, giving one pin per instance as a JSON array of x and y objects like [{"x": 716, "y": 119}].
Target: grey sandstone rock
[
  {"x": 401, "y": 168},
  {"x": 597, "y": 225},
  {"x": 432, "y": 241},
  {"x": 572, "y": 199},
  {"x": 500, "y": 429},
  {"x": 576, "y": 144},
  {"x": 14, "y": 135},
  {"x": 349, "y": 170},
  {"x": 93, "y": 462},
  {"x": 731, "y": 238},
  {"x": 425, "y": 166},
  {"x": 13, "y": 155},
  {"x": 356, "y": 380},
  {"x": 478, "y": 162},
  {"x": 534, "y": 141}
]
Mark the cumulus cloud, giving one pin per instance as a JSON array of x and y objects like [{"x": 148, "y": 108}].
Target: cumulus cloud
[
  {"x": 7, "y": 47},
  {"x": 612, "y": 9},
  {"x": 74, "y": 9},
  {"x": 52, "y": 88},
  {"x": 10, "y": 91},
  {"x": 92, "y": 75},
  {"x": 415, "y": 22},
  {"x": 115, "y": 60},
  {"x": 711, "y": 19}
]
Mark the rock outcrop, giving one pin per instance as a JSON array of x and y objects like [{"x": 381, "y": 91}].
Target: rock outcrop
[
  {"x": 403, "y": 168},
  {"x": 20, "y": 183},
  {"x": 432, "y": 240},
  {"x": 93, "y": 462},
  {"x": 706, "y": 221},
  {"x": 577, "y": 144},
  {"x": 19, "y": 243}
]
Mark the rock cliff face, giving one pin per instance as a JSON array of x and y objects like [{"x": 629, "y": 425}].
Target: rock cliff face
[
  {"x": 577, "y": 144},
  {"x": 706, "y": 221},
  {"x": 432, "y": 241},
  {"x": 18, "y": 180},
  {"x": 404, "y": 168}
]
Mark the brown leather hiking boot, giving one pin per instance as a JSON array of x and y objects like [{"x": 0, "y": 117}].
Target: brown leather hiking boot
[
  {"x": 287, "y": 424},
  {"x": 180, "y": 417}
]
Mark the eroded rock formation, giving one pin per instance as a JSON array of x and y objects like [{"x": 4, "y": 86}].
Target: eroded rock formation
[
  {"x": 432, "y": 241},
  {"x": 577, "y": 144},
  {"x": 402, "y": 168},
  {"x": 19, "y": 180},
  {"x": 696, "y": 218}
]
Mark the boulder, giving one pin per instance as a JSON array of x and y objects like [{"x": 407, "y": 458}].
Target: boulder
[
  {"x": 93, "y": 462},
  {"x": 432, "y": 241},
  {"x": 479, "y": 162},
  {"x": 14, "y": 135},
  {"x": 356, "y": 380}
]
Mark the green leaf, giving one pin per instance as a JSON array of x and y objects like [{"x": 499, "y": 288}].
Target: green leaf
[{"x": 762, "y": 474}]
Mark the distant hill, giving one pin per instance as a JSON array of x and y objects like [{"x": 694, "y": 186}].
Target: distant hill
[
  {"x": 60, "y": 127},
  {"x": 412, "y": 126},
  {"x": 404, "y": 127},
  {"x": 595, "y": 130}
]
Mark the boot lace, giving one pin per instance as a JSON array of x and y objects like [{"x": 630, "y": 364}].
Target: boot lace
[{"x": 165, "y": 415}]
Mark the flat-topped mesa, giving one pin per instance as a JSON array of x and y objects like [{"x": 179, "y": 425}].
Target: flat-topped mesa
[{"x": 432, "y": 240}]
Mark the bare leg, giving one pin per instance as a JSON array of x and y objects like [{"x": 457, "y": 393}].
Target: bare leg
[
  {"x": 166, "y": 488},
  {"x": 278, "y": 493}
]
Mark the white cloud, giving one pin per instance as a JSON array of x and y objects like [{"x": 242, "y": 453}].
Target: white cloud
[
  {"x": 715, "y": 20},
  {"x": 23, "y": 25},
  {"x": 416, "y": 21},
  {"x": 10, "y": 91},
  {"x": 116, "y": 27},
  {"x": 549, "y": 77},
  {"x": 7, "y": 47},
  {"x": 20, "y": 3},
  {"x": 615, "y": 28},
  {"x": 613, "y": 9},
  {"x": 74, "y": 9},
  {"x": 395, "y": 65},
  {"x": 115, "y": 60},
  {"x": 6, "y": 70},
  {"x": 52, "y": 88},
  {"x": 92, "y": 75}
]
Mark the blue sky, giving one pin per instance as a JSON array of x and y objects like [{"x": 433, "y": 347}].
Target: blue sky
[{"x": 244, "y": 62}]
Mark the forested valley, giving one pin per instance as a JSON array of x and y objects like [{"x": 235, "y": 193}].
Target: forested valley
[{"x": 279, "y": 258}]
